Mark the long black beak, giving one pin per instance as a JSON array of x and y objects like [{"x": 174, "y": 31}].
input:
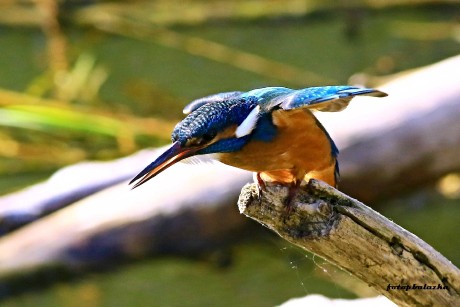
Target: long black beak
[{"x": 174, "y": 154}]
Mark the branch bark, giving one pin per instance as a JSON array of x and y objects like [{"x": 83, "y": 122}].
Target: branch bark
[{"x": 351, "y": 235}]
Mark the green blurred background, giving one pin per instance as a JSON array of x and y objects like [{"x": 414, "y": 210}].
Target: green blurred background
[{"x": 99, "y": 80}]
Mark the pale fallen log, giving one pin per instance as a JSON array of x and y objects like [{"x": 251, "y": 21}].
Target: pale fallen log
[
  {"x": 176, "y": 214},
  {"x": 404, "y": 141},
  {"x": 105, "y": 226},
  {"x": 411, "y": 155},
  {"x": 351, "y": 235},
  {"x": 65, "y": 187}
]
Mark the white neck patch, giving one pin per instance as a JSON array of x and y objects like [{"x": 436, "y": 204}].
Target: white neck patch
[{"x": 248, "y": 124}]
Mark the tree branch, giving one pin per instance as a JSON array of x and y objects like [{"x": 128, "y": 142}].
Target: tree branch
[{"x": 351, "y": 235}]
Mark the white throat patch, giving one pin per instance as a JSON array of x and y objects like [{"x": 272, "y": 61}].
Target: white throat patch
[{"x": 248, "y": 124}]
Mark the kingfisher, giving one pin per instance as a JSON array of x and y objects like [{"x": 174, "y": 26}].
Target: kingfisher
[{"x": 270, "y": 131}]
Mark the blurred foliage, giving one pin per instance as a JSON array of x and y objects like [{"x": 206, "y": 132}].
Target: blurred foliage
[
  {"x": 287, "y": 272},
  {"x": 101, "y": 79}
]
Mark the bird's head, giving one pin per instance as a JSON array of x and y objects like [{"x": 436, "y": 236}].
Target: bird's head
[{"x": 221, "y": 126}]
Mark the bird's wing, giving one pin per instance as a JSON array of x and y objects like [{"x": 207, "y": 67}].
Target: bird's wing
[
  {"x": 192, "y": 106},
  {"x": 266, "y": 94},
  {"x": 267, "y": 97},
  {"x": 325, "y": 98}
]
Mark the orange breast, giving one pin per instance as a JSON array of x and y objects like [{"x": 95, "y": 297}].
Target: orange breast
[{"x": 300, "y": 150}]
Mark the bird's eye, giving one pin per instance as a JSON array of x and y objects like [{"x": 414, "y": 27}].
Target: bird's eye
[
  {"x": 197, "y": 141},
  {"x": 207, "y": 137}
]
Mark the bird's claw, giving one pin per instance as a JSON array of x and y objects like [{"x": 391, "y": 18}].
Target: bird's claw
[
  {"x": 261, "y": 187},
  {"x": 289, "y": 201}
]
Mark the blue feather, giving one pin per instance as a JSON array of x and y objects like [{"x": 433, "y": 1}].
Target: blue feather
[
  {"x": 337, "y": 96},
  {"x": 331, "y": 98},
  {"x": 265, "y": 129},
  {"x": 225, "y": 145},
  {"x": 212, "y": 114},
  {"x": 267, "y": 93},
  {"x": 212, "y": 118},
  {"x": 195, "y": 104}
]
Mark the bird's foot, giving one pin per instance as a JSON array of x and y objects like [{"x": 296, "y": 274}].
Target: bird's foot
[
  {"x": 289, "y": 201},
  {"x": 260, "y": 184}
]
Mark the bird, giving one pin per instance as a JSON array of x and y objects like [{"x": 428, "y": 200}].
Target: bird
[{"x": 269, "y": 131}]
